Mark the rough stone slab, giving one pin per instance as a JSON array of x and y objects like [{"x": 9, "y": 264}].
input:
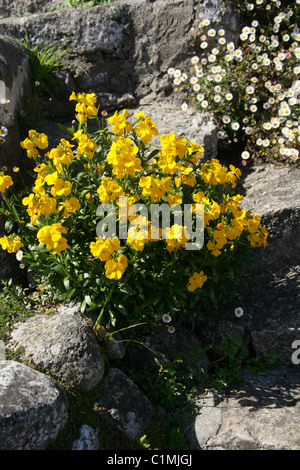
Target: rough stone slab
[
  {"x": 33, "y": 408},
  {"x": 191, "y": 124},
  {"x": 123, "y": 404},
  {"x": 260, "y": 414},
  {"x": 62, "y": 344}
]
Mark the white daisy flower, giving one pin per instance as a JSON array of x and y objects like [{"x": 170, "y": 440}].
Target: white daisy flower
[
  {"x": 211, "y": 32},
  {"x": 166, "y": 318},
  {"x": 19, "y": 255},
  {"x": 171, "y": 329},
  {"x": 238, "y": 312},
  {"x": 245, "y": 155},
  {"x": 226, "y": 119},
  {"x": 228, "y": 96}
]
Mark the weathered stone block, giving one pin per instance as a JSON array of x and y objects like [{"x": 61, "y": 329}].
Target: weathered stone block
[
  {"x": 62, "y": 344},
  {"x": 33, "y": 408}
]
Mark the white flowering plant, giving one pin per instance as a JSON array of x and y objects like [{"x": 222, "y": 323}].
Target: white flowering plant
[{"x": 250, "y": 83}]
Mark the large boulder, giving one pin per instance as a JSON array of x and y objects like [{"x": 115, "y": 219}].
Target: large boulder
[
  {"x": 33, "y": 408},
  {"x": 63, "y": 345}
]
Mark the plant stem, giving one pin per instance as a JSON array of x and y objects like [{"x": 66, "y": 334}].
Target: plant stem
[{"x": 102, "y": 310}]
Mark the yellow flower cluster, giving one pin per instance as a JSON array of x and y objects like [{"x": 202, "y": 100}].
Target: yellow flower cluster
[
  {"x": 38, "y": 205},
  {"x": 119, "y": 123},
  {"x": 155, "y": 188},
  {"x": 213, "y": 172},
  {"x": 173, "y": 176},
  {"x": 33, "y": 141},
  {"x": 51, "y": 236},
  {"x": 109, "y": 190},
  {"x": 61, "y": 155},
  {"x": 196, "y": 281},
  {"x": 11, "y": 244},
  {"x": 85, "y": 107},
  {"x": 104, "y": 250},
  {"x": 145, "y": 129},
  {"x": 122, "y": 157},
  {"x": 177, "y": 155},
  {"x": 86, "y": 145},
  {"x": 176, "y": 237},
  {"x": 230, "y": 222},
  {"x": 5, "y": 182}
]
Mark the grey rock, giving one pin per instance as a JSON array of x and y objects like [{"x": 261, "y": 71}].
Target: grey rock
[
  {"x": 167, "y": 346},
  {"x": 261, "y": 414},
  {"x": 62, "y": 344},
  {"x": 122, "y": 403},
  {"x": 110, "y": 54},
  {"x": 88, "y": 439},
  {"x": 191, "y": 124},
  {"x": 14, "y": 86},
  {"x": 33, "y": 408}
]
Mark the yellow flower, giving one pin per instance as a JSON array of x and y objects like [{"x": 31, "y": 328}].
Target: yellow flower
[
  {"x": 136, "y": 238},
  {"x": 109, "y": 190},
  {"x": 154, "y": 187},
  {"x": 85, "y": 107},
  {"x": 72, "y": 205},
  {"x": 122, "y": 157},
  {"x": 104, "y": 249},
  {"x": 174, "y": 199},
  {"x": 34, "y": 139},
  {"x": 51, "y": 236},
  {"x": 176, "y": 237},
  {"x": 119, "y": 123},
  {"x": 115, "y": 269},
  {"x": 145, "y": 129},
  {"x": 5, "y": 182},
  {"x": 196, "y": 281},
  {"x": 61, "y": 188},
  {"x": 12, "y": 243}
]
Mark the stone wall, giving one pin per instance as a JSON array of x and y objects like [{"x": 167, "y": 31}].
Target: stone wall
[{"x": 121, "y": 50}]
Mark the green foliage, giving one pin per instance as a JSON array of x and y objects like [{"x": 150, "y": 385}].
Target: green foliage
[
  {"x": 80, "y": 3},
  {"x": 15, "y": 306},
  {"x": 55, "y": 222},
  {"x": 228, "y": 369},
  {"x": 45, "y": 61}
]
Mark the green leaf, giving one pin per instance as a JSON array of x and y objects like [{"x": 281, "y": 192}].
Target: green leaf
[
  {"x": 126, "y": 289},
  {"x": 8, "y": 226},
  {"x": 121, "y": 308},
  {"x": 66, "y": 283},
  {"x": 83, "y": 306}
]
